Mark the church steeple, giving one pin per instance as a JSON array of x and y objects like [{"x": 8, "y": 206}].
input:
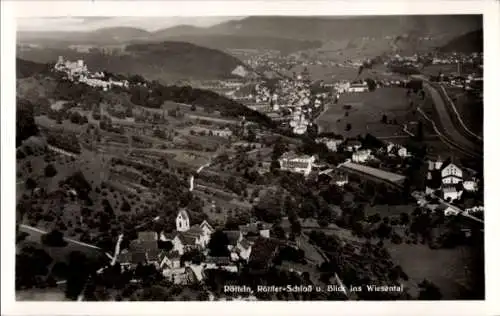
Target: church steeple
[{"x": 182, "y": 221}]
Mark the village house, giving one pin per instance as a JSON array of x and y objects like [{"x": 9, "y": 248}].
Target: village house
[
  {"x": 234, "y": 237},
  {"x": 475, "y": 209},
  {"x": 187, "y": 236},
  {"x": 256, "y": 229},
  {"x": 289, "y": 161},
  {"x": 451, "y": 174},
  {"x": 143, "y": 250},
  {"x": 352, "y": 145},
  {"x": 330, "y": 143},
  {"x": 358, "y": 87},
  {"x": 361, "y": 156},
  {"x": 340, "y": 179},
  {"x": 451, "y": 193},
  {"x": 244, "y": 249},
  {"x": 470, "y": 184},
  {"x": 449, "y": 210},
  {"x": 226, "y": 133},
  {"x": 170, "y": 260},
  {"x": 397, "y": 150}
]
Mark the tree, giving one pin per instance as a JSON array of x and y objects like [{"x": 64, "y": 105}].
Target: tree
[
  {"x": 165, "y": 245},
  {"x": 275, "y": 165},
  {"x": 372, "y": 85},
  {"x": 31, "y": 264},
  {"x": 277, "y": 231},
  {"x": 50, "y": 171},
  {"x": 296, "y": 227},
  {"x": 404, "y": 218},
  {"x": 54, "y": 239},
  {"x": 279, "y": 149},
  {"x": 218, "y": 244},
  {"x": 429, "y": 291},
  {"x": 384, "y": 119},
  {"x": 78, "y": 271},
  {"x": 420, "y": 131},
  {"x": 125, "y": 206},
  {"x": 30, "y": 184}
]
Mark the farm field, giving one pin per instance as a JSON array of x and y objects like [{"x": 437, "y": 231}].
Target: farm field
[
  {"x": 66, "y": 125},
  {"x": 366, "y": 112},
  {"x": 58, "y": 253}
]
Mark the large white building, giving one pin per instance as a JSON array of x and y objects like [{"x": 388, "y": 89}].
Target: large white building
[
  {"x": 300, "y": 164},
  {"x": 358, "y": 87},
  {"x": 361, "y": 156},
  {"x": 451, "y": 174},
  {"x": 331, "y": 144}
]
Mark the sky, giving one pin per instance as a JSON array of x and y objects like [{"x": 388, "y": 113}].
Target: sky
[{"x": 91, "y": 23}]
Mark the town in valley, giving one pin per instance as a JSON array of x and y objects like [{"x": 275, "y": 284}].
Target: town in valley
[{"x": 261, "y": 158}]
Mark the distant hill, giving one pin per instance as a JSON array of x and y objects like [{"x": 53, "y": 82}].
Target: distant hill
[
  {"x": 286, "y": 33},
  {"x": 467, "y": 43},
  {"x": 166, "y": 61},
  {"x": 223, "y": 42},
  {"x": 111, "y": 35},
  {"x": 25, "y": 68},
  {"x": 336, "y": 28}
]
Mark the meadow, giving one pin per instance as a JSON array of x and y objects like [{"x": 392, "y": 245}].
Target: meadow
[{"x": 365, "y": 113}]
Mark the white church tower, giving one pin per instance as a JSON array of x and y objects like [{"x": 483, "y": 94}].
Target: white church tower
[{"x": 182, "y": 221}]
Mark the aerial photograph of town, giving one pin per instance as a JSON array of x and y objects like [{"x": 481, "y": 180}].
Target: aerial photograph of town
[{"x": 249, "y": 158}]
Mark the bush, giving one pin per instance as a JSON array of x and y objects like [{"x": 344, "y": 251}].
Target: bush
[
  {"x": 396, "y": 239},
  {"x": 54, "y": 239},
  {"x": 50, "y": 171}
]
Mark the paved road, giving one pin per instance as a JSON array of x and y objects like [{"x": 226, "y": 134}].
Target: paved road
[
  {"x": 458, "y": 116},
  {"x": 447, "y": 126},
  {"x": 446, "y": 140},
  {"x": 28, "y": 229}
]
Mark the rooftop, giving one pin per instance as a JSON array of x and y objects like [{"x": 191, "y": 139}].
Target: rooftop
[{"x": 379, "y": 173}]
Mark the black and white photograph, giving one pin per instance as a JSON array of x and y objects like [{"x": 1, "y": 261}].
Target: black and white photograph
[{"x": 249, "y": 158}]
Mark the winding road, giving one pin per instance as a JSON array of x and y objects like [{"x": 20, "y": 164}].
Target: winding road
[
  {"x": 446, "y": 129},
  {"x": 458, "y": 116}
]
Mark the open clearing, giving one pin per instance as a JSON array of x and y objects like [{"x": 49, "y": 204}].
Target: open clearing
[{"x": 366, "y": 113}]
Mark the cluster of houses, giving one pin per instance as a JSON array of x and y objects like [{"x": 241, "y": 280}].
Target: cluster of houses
[
  {"x": 78, "y": 71},
  {"x": 450, "y": 179},
  {"x": 251, "y": 244},
  {"x": 350, "y": 87},
  {"x": 291, "y": 101},
  {"x": 224, "y": 132},
  {"x": 304, "y": 164}
]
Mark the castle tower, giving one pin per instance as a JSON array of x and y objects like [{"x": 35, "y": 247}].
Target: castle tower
[{"x": 182, "y": 221}]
